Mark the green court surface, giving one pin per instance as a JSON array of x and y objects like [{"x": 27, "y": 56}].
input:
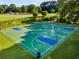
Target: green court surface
[{"x": 40, "y": 37}]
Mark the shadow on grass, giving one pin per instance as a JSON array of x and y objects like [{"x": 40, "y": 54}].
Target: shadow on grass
[{"x": 15, "y": 52}]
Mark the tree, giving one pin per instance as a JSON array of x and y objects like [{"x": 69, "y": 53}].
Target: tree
[
  {"x": 23, "y": 8},
  {"x": 35, "y": 13},
  {"x": 18, "y": 9},
  {"x": 1, "y": 9},
  {"x": 69, "y": 10},
  {"x": 5, "y": 7},
  {"x": 49, "y": 5},
  {"x": 39, "y": 9},
  {"x": 31, "y": 7},
  {"x": 35, "y": 9},
  {"x": 12, "y": 8}
]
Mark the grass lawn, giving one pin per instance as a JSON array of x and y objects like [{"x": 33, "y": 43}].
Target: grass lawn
[
  {"x": 5, "y": 42},
  {"x": 5, "y": 17}
]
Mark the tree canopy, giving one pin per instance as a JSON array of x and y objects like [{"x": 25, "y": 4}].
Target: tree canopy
[
  {"x": 1, "y": 9},
  {"x": 49, "y": 5},
  {"x": 69, "y": 10},
  {"x": 11, "y": 8}
]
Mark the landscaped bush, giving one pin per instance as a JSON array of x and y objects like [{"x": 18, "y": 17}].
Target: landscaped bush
[
  {"x": 53, "y": 18},
  {"x": 44, "y": 13},
  {"x": 29, "y": 20},
  {"x": 52, "y": 11},
  {"x": 46, "y": 19},
  {"x": 35, "y": 14}
]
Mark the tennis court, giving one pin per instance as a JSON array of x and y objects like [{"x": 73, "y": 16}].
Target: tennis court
[{"x": 41, "y": 37}]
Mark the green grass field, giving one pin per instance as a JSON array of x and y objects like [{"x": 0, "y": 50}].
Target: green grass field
[
  {"x": 5, "y": 42},
  {"x": 9, "y": 50},
  {"x": 5, "y": 17}
]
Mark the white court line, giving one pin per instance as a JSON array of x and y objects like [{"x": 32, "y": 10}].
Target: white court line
[
  {"x": 34, "y": 47},
  {"x": 47, "y": 50}
]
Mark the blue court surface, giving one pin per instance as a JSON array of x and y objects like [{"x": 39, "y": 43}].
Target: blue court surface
[
  {"x": 17, "y": 29},
  {"x": 41, "y": 37},
  {"x": 50, "y": 41}
]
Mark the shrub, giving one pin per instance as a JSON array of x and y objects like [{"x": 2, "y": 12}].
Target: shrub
[
  {"x": 52, "y": 11},
  {"x": 53, "y": 17},
  {"x": 44, "y": 13},
  {"x": 35, "y": 14},
  {"x": 46, "y": 19}
]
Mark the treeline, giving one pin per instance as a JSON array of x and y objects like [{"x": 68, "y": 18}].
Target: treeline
[
  {"x": 13, "y": 9},
  {"x": 50, "y": 6}
]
